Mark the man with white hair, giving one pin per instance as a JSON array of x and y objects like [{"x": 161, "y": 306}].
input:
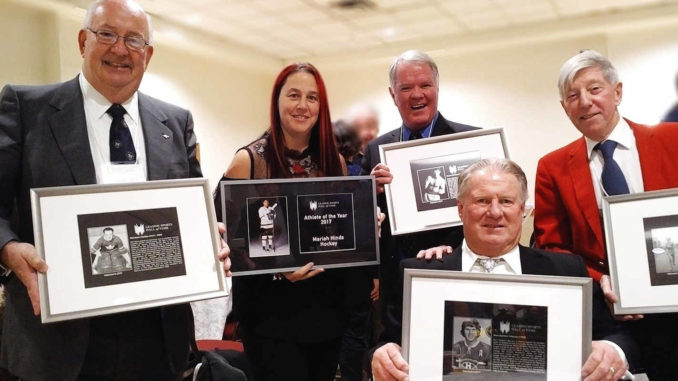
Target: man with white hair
[
  {"x": 365, "y": 119},
  {"x": 614, "y": 156},
  {"x": 93, "y": 129},
  {"x": 413, "y": 77}
]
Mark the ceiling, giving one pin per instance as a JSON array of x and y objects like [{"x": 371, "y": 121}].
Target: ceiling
[{"x": 288, "y": 29}]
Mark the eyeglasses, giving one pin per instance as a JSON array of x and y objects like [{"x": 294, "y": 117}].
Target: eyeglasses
[{"x": 110, "y": 38}]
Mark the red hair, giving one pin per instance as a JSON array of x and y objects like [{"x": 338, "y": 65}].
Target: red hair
[{"x": 322, "y": 145}]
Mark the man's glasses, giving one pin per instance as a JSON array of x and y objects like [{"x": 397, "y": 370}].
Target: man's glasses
[{"x": 110, "y": 38}]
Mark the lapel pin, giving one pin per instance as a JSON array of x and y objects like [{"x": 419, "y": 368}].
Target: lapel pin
[{"x": 165, "y": 136}]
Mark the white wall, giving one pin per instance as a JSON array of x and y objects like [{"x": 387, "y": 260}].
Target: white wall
[{"x": 497, "y": 79}]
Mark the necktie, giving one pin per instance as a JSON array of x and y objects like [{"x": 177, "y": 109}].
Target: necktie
[
  {"x": 119, "y": 137},
  {"x": 415, "y": 135},
  {"x": 489, "y": 263},
  {"x": 612, "y": 176}
]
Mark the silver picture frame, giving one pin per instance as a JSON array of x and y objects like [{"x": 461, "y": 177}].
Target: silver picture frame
[
  {"x": 422, "y": 195},
  {"x": 118, "y": 247},
  {"x": 640, "y": 232},
  {"x": 436, "y": 303},
  {"x": 278, "y": 225}
]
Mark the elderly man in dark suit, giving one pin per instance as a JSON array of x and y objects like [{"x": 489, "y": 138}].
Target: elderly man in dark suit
[
  {"x": 413, "y": 77},
  {"x": 491, "y": 204},
  {"x": 58, "y": 135}
]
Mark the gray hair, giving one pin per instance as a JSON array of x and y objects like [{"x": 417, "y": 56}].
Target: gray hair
[
  {"x": 499, "y": 165},
  {"x": 411, "y": 56},
  {"x": 93, "y": 6},
  {"x": 584, "y": 60},
  {"x": 360, "y": 110}
]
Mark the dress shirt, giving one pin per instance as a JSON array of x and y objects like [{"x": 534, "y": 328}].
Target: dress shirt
[
  {"x": 511, "y": 265},
  {"x": 425, "y": 133},
  {"x": 98, "y": 128},
  {"x": 626, "y": 156}
]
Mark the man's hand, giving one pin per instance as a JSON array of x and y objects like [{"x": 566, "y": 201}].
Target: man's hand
[
  {"x": 24, "y": 261},
  {"x": 603, "y": 363},
  {"x": 382, "y": 175},
  {"x": 374, "y": 294},
  {"x": 224, "y": 251},
  {"x": 303, "y": 273},
  {"x": 380, "y": 218},
  {"x": 439, "y": 252},
  {"x": 611, "y": 298},
  {"x": 388, "y": 364}
]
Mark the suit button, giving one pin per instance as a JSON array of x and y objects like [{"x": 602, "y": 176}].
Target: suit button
[{"x": 601, "y": 263}]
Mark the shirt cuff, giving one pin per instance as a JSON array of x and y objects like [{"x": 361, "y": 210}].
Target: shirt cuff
[{"x": 627, "y": 375}]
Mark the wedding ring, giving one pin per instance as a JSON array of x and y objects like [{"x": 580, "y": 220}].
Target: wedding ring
[{"x": 611, "y": 371}]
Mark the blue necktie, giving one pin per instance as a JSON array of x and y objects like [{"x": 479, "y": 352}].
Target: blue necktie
[
  {"x": 612, "y": 177},
  {"x": 119, "y": 137}
]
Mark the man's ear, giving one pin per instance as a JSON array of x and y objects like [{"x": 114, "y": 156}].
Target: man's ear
[
  {"x": 82, "y": 37},
  {"x": 618, "y": 93}
]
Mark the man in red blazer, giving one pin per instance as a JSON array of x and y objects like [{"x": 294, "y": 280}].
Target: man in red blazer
[{"x": 569, "y": 186}]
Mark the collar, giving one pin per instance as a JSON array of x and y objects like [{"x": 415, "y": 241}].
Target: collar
[
  {"x": 96, "y": 102},
  {"x": 425, "y": 133},
  {"x": 622, "y": 134},
  {"x": 512, "y": 258}
]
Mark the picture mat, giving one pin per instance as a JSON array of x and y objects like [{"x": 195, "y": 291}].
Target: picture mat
[
  {"x": 65, "y": 287},
  {"x": 426, "y": 321},
  {"x": 627, "y": 252},
  {"x": 400, "y": 192},
  {"x": 233, "y": 194}
]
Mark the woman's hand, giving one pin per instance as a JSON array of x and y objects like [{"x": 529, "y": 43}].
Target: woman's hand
[{"x": 305, "y": 272}]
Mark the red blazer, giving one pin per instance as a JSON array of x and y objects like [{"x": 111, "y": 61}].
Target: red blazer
[{"x": 566, "y": 216}]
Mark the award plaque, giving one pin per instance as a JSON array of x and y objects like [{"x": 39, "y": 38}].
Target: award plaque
[
  {"x": 281, "y": 225},
  {"x": 423, "y": 194},
  {"x": 119, "y": 247},
  {"x": 641, "y": 231},
  {"x": 476, "y": 326}
]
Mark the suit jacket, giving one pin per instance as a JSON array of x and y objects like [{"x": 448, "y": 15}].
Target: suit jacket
[
  {"x": 566, "y": 212},
  {"x": 567, "y": 219},
  {"x": 43, "y": 143},
  {"x": 389, "y": 245},
  {"x": 535, "y": 262}
]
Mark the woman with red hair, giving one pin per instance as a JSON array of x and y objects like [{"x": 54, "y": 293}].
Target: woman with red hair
[{"x": 291, "y": 325}]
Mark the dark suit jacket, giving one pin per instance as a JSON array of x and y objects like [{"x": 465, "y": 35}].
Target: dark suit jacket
[
  {"x": 388, "y": 245},
  {"x": 535, "y": 262},
  {"x": 43, "y": 143},
  {"x": 566, "y": 216}
]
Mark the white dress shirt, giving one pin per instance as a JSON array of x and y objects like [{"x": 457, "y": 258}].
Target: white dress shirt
[
  {"x": 509, "y": 265},
  {"x": 626, "y": 156},
  {"x": 98, "y": 127}
]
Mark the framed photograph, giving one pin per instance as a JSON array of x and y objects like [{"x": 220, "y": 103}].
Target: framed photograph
[
  {"x": 641, "y": 232},
  {"x": 476, "y": 326},
  {"x": 281, "y": 225},
  {"x": 106, "y": 243},
  {"x": 423, "y": 194}
]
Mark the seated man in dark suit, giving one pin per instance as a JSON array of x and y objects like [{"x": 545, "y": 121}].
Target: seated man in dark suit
[{"x": 492, "y": 194}]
